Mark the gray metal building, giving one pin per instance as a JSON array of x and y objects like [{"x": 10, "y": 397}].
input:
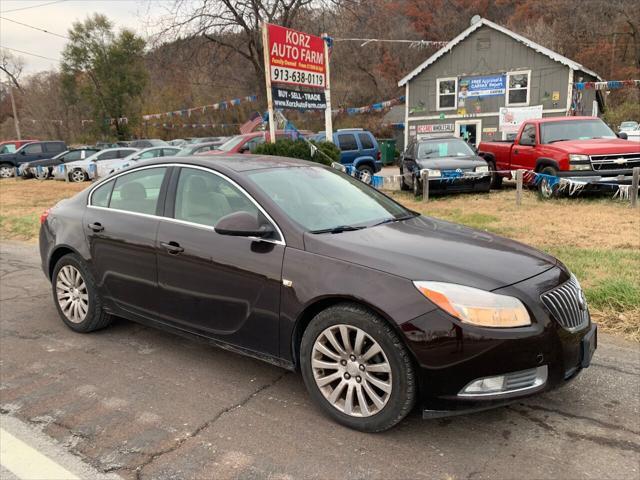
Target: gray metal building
[{"x": 487, "y": 80}]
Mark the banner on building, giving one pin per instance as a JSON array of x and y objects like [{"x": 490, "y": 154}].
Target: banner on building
[
  {"x": 296, "y": 58},
  {"x": 292, "y": 99},
  {"x": 512, "y": 117},
  {"x": 435, "y": 128},
  {"x": 484, "y": 86}
]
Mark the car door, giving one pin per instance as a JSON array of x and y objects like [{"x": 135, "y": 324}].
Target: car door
[
  {"x": 348, "y": 147},
  {"x": 120, "y": 224},
  {"x": 31, "y": 152},
  {"x": 220, "y": 286},
  {"x": 524, "y": 153}
]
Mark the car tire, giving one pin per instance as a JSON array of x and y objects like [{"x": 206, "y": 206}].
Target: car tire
[
  {"x": 545, "y": 190},
  {"x": 416, "y": 186},
  {"x": 496, "y": 180},
  {"x": 403, "y": 184},
  {"x": 43, "y": 174},
  {"x": 365, "y": 169},
  {"x": 77, "y": 176},
  {"x": 388, "y": 375},
  {"x": 76, "y": 296},
  {"x": 7, "y": 170}
]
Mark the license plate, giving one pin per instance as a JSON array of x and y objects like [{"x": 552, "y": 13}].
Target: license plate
[{"x": 588, "y": 346}]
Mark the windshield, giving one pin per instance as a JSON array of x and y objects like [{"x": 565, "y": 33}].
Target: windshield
[
  {"x": 450, "y": 147},
  {"x": 232, "y": 143},
  {"x": 322, "y": 199},
  {"x": 574, "y": 130}
]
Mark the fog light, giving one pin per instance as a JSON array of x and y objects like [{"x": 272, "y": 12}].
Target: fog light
[{"x": 486, "y": 385}]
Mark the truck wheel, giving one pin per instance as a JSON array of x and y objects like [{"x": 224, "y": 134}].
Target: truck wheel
[
  {"x": 545, "y": 189},
  {"x": 6, "y": 170},
  {"x": 403, "y": 184},
  {"x": 496, "y": 179}
]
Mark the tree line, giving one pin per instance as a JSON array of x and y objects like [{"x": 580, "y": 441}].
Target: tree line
[{"x": 207, "y": 51}]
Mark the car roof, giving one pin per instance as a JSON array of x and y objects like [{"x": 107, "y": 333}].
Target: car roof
[
  {"x": 236, "y": 162},
  {"x": 558, "y": 119}
]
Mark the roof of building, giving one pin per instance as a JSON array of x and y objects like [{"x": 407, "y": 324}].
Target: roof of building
[{"x": 483, "y": 22}]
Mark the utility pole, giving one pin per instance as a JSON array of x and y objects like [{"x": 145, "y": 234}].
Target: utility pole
[{"x": 16, "y": 122}]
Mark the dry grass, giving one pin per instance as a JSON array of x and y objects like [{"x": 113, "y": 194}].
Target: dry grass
[{"x": 599, "y": 239}]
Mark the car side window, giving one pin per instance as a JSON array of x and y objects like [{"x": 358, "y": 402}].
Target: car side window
[
  {"x": 138, "y": 191},
  {"x": 528, "y": 136},
  {"x": 151, "y": 154},
  {"x": 53, "y": 147},
  {"x": 73, "y": 156},
  {"x": 365, "y": 141},
  {"x": 204, "y": 198},
  {"x": 124, "y": 153},
  {"x": 347, "y": 141},
  {"x": 107, "y": 156},
  {"x": 102, "y": 195},
  {"x": 34, "y": 148},
  {"x": 253, "y": 143}
]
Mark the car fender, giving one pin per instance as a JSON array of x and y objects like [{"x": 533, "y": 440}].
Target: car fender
[
  {"x": 546, "y": 162},
  {"x": 363, "y": 160}
]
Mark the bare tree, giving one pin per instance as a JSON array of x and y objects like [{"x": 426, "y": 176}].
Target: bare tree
[{"x": 12, "y": 67}]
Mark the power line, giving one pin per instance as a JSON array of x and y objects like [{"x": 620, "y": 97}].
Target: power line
[
  {"x": 33, "y": 6},
  {"x": 29, "y": 53},
  {"x": 35, "y": 28}
]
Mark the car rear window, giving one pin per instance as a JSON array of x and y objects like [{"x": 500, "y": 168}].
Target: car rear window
[
  {"x": 102, "y": 194},
  {"x": 366, "y": 141}
]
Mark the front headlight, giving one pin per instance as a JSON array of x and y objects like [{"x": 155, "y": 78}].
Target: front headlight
[
  {"x": 579, "y": 162},
  {"x": 484, "y": 168},
  {"x": 475, "y": 306},
  {"x": 432, "y": 173}
]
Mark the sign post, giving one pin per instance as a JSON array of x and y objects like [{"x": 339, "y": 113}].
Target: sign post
[
  {"x": 267, "y": 79},
  {"x": 328, "y": 121}
]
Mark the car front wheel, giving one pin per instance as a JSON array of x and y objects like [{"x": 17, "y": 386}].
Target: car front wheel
[
  {"x": 6, "y": 170},
  {"x": 357, "y": 369}
]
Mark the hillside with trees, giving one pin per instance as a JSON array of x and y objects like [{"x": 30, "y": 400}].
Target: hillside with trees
[{"x": 210, "y": 51}]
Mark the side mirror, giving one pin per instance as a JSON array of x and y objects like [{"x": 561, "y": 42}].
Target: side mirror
[
  {"x": 623, "y": 136},
  {"x": 242, "y": 224},
  {"x": 22, "y": 152}
]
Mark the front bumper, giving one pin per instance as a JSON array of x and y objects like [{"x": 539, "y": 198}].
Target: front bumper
[
  {"x": 452, "y": 355},
  {"x": 462, "y": 184}
]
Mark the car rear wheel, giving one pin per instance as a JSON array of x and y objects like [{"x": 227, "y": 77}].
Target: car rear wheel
[
  {"x": 42, "y": 173},
  {"x": 76, "y": 296},
  {"x": 6, "y": 170},
  {"x": 362, "y": 169},
  {"x": 78, "y": 176},
  {"x": 357, "y": 369}
]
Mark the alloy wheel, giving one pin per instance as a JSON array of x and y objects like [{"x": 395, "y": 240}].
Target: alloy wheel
[
  {"x": 77, "y": 176},
  {"x": 72, "y": 294},
  {"x": 6, "y": 172},
  {"x": 42, "y": 174},
  {"x": 351, "y": 370}
]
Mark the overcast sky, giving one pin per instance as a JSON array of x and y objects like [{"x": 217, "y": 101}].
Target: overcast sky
[{"x": 58, "y": 18}]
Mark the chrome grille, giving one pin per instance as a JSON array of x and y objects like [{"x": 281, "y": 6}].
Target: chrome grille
[
  {"x": 567, "y": 304},
  {"x": 615, "y": 161}
]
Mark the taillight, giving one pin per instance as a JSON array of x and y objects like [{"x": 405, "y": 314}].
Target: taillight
[
  {"x": 379, "y": 155},
  {"x": 44, "y": 215}
]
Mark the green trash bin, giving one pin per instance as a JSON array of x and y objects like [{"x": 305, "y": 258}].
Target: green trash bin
[{"x": 387, "y": 150}]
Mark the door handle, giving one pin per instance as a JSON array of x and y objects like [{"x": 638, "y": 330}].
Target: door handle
[
  {"x": 173, "y": 248},
  {"x": 96, "y": 227}
]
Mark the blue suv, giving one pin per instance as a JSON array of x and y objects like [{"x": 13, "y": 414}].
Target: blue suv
[{"x": 358, "y": 148}]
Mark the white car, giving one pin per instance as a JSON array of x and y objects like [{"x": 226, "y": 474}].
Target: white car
[
  {"x": 83, "y": 170},
  {"x": 107, "y": 168},
  {"x": 634, "y": 134},
  {"x": 628, "y": 126}
]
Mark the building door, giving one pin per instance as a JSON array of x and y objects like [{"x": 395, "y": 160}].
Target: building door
[{"x": 470, "y": 131}]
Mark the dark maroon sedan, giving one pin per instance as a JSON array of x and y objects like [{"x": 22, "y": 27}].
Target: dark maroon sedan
[{"x": 300, "y": 265}]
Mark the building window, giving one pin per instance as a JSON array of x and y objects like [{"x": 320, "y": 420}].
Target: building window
[
  {"x": 518, "y": 88},
  {"x": 446, "y": 98}
]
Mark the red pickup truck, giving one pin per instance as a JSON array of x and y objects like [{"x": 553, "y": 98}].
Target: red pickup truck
[{"x": 583, "y": 147}]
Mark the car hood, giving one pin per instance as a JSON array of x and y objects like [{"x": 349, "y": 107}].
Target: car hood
[
  {"x": 596, "y": 146},
  {"x": 451, "y": 163},
  {"x": 423, "y": 248}
]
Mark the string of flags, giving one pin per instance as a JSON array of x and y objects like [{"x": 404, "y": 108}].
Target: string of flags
[
  {"x": 608, "y": 85},
  {"x": 374, "y": 107},
  {"x": 187, "y": 112},
  {"x": 191, "y": 125}
]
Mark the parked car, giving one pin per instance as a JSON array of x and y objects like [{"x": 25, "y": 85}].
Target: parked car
[
  {"x": 197, "y": 148},
  {"x": 358, "y": 148},
  {"x": 633, "y": 135},
  {"x": 246, "y": 143},
  {"x": 308, "y": 268},
  {"x": 205, "y": 140},
  {"x": 146, "y": 143},
  {"x": 577, "y": 147},
  {"x": 108, "y": 167},
  {"x": 10, "y": 146},
  {"x": 177, "y": 142},
  {"x": 627, "y": 126},
  {"x": 78, "y": 171},
  {"x": 43, "y": 169},
  {"x": 452, "y": 164},
  {"x": 27, "y": 153}
]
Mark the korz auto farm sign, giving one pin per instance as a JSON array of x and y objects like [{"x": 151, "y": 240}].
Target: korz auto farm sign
[{"x": 296, "y": 58}]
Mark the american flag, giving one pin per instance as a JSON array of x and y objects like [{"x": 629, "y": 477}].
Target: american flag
[{"x": 254, "y": 120}]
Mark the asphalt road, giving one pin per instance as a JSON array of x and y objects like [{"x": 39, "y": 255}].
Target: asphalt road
[{"x": 145, "y": 404}]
